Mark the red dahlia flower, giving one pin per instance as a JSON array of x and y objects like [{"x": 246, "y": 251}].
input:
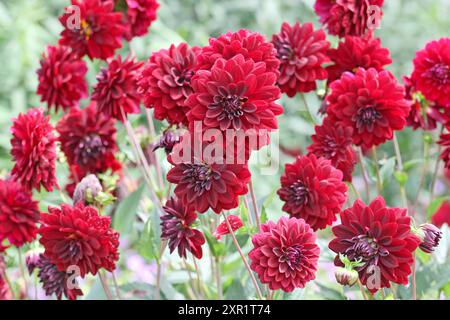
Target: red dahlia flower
[
  {"x": 34, "y": 150},
  {"x": 99, "y": 32},
  {"x": 442, "y": 215},
  {"x": 53, "y": 280},
  {"x": 88, "y": 138},
  {"x": 380, "y": 238},
  {"x": 140, "y": 15},
  {"x": 79, "y": 236},
  {"x": 5, "y": 292},
  {"x": 235, "y": 94},
  {"x": 116, "y": 89},
  {"x": 445, "y": 142},
  {"x": 349, "y": 17},
  {"x": 312, "y": 189},
  {"x": 165, "y": 82},
  {"x": 251, "y": 45},
  {"x": 302, "y": 52},
  {"x": 222, "y": 228},
  {"x": 205, "y": 181},
  {"x": 285, "y": 254},
  {"x": 62, "y": 80},
  {"x": 370, "y": 102},
  {"x": 176, "y": 227},
  {"x": 354, "y": 52},
  {"x": 432, "y": 71},
  {"x": 424, "y": 114},
  {"x": 19, "y": 214},
  {"x": 334, "y": 143}
]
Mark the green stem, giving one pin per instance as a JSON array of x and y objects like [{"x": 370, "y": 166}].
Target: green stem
[
  {"x": 308, "y": 110},
  {"x": 152, "y": 131},
  {"x": 22, "y": 271},
  {"x": 377, "y": 169},
  {"x": 255, "y": 205},
  {"x": 364, "y": 173},
  {"x": 105, "y": 285},
  {"x": 400, "y": 168}
]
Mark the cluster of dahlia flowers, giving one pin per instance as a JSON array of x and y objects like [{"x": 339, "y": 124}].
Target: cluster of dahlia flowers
[{"x": 227, "y": 89}]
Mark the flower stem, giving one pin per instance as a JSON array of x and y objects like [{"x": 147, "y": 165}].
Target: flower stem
[
  {"x": 255, "y": 205},
  {"x": 218, "y": 279},
  {"x": 426, "y": 155},
  {"x": 436, "y": 169},
  {"x": 308, "y": 110},
  {"x": 377, "y": 169},
  {"x": 199, "y": 278},
  {"x": 400, "y": 168},
  {"x": 364, "y": 173},
  {"x": 414, "y": 285},
  {"x": 152, "y": 131},
  {"x": 22, "y": 271},
  {"x": 363, "y": 292},
  {"x": 105, "y": 285},
  {"x": 116, "y": 285},
  {"x": 158, "y": 270},
  {"x": 238, "y": 247}
]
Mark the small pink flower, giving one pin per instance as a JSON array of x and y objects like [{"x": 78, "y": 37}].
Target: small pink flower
[{"x": 222, "y": 229}]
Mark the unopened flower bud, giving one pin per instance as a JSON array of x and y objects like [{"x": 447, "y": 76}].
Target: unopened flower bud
[
  {"x": 87, "y": 190},
  {"x": 346, "y": 277},
  {"x": 32, "y": 260},
  {"x": 167, "y": 141},
  {"x": 430, "y": 236}
]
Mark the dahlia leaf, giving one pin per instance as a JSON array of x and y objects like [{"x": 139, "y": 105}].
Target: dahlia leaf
[{"x": 126, "y": 211}]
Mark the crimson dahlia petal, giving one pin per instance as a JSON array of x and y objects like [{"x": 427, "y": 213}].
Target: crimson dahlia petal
[
  {"x": 19, "y": 214},
  {"x": 445, "y": 143},
  {"x": 380, "y": 238},
  {"x": 79, "y": 236},
  {"x": 353, "y": 52},
  {"x": 34, "y": 150},
  {"x": 285, "y": 254},
  {"x": 334, "y": 142},
  {"x": 176, "y": 227},
  {"x": 88, "y": 138},
  {"x": 206, "y": 181},
  {"x": 442, "y": 215},
  {"x": 251, "y": 45},
  {"x": 302, "y": 51},
  {"x": 116, "y": 89},
  {"x": 235, "y": 94},
  {"x": 432, "y": 71},
  {"x": 140, "y": 15},
  {"x": 371, "y": 103},
  {"x": 165, "y": 82},
  {"x": 312, "y": 189},
  {"x": 62, "y": 80},
  {"x": 222, "y": 229},
  {"x": 99, "y": 32},
  {"x": 349, "y": 17}
]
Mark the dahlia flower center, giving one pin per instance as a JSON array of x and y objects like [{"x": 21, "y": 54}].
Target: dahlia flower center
[
  {"x": 365, "y": 249},
  {"x": 366, "y": 117},
  {"x": 440, "y": 72},
  {"x": 200, "y": 177},
  {"x": 86, "y": 29},
  {"x": 89, "y": 148},
  {"x": 227, "y": 108},
  {"x": 291, "y": 255},
  {"x": 182, "y": 77},
  {"x": 284, "y": 49},
  {"x": 298, "y": 193}
]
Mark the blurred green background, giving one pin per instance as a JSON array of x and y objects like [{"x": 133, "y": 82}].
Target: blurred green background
[{"x": 28, "y": 26}]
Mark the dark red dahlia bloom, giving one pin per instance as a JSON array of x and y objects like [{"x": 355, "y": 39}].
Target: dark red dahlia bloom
[
  {"x": 334, "y": 142},
  {"x": 285, "y": 254},
  {"x": 380, "y": 238},
  {"x": 99, "y": 32},
  {"x": 302, "y": 51},
  {"x": 205, "y": 180},
  {"x": 19, "y": 214},
  {"x": 235, "y": 94},
  {"x": 79, "y": 236},
  {"x": 445, "y": 142},
  {"x": 431, "y": 72},
  {"x": 62, "y": 80},
  {"x": 222, "y": 228},
  {"x": 370, "y": 102},
  {"x": 365, "y": 52},
  {"x": 176, "y": 227},
  {"x": 165, "y": 82},
  {"x": 116, "y": 88},
  {"x": 349, "y": 17},
  {"x": 88, "y": 138},
  {"x": 53, "y": 280},
  {"x": 34, "y": 150},
  {"x": 424, "y": 114},
  {"x": 312, "y": 189},
  {"x": 140, "y": 15},
  {"x": 251, "y": 45},
  {"x": 442, "y": 215}
]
